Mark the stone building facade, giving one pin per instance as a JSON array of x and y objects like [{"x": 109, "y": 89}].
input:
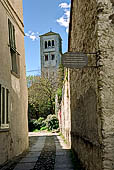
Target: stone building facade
[
  {"x": 92, "y": 87},
  {"x": 13, "y": 89},
  {"x": 50, "y": 53},
  {"x": 64, "y": 113}
]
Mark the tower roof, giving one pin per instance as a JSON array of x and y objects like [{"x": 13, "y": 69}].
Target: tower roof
[{"x": 50, "y": 33}]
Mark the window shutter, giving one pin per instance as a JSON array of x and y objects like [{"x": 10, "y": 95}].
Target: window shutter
[
  {"x": 10, "y": 34},
  {"x": 3, "y": 105},
  {"x": 7, "y": 105},
  {"x": 14, "y": 44},
  {"x": 11, "y": 45}
]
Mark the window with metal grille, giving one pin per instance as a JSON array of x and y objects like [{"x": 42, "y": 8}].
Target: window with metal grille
[
  {"x": 14, "y": 53},
  {"x": 4, "y": 107}
]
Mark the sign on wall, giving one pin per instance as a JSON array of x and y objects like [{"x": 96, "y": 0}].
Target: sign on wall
[{"x": 74, "y": 60}]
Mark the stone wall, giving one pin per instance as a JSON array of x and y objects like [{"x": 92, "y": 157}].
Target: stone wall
[
  {"x": 92, "y": 87},
  {"x": 106, "y": 79},
  {"x": 65, "y": 119}
]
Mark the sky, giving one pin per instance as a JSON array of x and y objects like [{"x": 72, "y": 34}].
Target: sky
[{"x": 41, "y": 16}]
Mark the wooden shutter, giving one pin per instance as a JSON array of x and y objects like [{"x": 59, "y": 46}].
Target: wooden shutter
[
  {"x": 10, "y": 32},
  {"x": 14, "y": 44},
  {"x": 11, "y": 35}
]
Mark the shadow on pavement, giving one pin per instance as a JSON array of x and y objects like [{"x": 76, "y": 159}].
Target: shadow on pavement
[{"x": 47, "y": 151}]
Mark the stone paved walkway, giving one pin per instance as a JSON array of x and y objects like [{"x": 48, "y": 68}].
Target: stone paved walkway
[{"x": 49, "y": 152}]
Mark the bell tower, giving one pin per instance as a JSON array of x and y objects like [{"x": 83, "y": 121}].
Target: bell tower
[{"x": 50, "y": 53}]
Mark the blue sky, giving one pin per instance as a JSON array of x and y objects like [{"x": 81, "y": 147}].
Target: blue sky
[{"x": 39, "y": 17}]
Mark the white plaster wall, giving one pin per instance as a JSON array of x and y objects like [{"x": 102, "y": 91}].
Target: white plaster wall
[{"x": 14, "y": 140}]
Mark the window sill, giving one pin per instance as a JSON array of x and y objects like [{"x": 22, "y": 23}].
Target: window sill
[
  {"x": 49, "y": 47},
  {"x": 4, "y": 129},
  {"x": 15, "y": 74}
]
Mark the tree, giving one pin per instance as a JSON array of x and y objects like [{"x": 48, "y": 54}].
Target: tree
[
  {"x": 41, "y": 95},
  {"x": 60, "y": 82}
]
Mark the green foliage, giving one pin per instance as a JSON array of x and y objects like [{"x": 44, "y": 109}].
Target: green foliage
[
  {"x": 44, "y": 128},
  {"x": 60, "y": 81},
  {"x": 36, "y": 130},
  {"x": 52, "y": 122},
  {"x": 66, "y": 75},
  {"x": 38, "y": 124},
  {"x": 41, "y": 97},
  {"x": 31, "y": 80},
  {"x": 59, "y": 94},
  {"x": 60, "y": 78}
]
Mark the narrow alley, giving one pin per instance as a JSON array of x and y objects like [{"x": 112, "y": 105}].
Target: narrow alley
[{"x": 47, "y": 151}]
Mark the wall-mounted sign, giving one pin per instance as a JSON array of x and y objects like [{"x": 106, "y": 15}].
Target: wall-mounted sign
[{"x": 74, "y": 60}]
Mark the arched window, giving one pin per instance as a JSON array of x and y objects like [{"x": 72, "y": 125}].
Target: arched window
[
  {"x": 45, "y": 44},
  {"x": 49, "y": 43},
  {"x": 53, "y": 43}
]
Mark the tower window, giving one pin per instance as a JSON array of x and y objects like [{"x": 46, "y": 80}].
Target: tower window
[
  {"x": 46, "y": 57},
  {"x": 53, "y": 57},
  {"x": 45, "y": 44},
  {"x": 53, "y": 43},
  {"x": 49, "y": 43}
]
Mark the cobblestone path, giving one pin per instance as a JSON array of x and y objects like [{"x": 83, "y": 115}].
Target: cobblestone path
[
  {"x": 47, "y": 152},
  {"x": 46, "y": 159}
]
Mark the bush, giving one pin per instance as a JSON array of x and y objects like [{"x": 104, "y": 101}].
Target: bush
[
  {"x": 36, "y": 130},
  {"x": 59, "y": 93},
  {"x": 38, "y": 124},
  {"x": 52, "y": 122},
  {"x": 44, "y": 128}
]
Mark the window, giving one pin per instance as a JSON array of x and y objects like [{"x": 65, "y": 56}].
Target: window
[
  {"x": 53, "y": 43},
  {"x": 45, "y": 44},
  {"x": 14, "y": 53},
  {"x": 46, "y": 57},
  {"x": 49, "y": 43},
  {"x": 4, "y": 102},
  {"x": 53, "y": 57}
]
